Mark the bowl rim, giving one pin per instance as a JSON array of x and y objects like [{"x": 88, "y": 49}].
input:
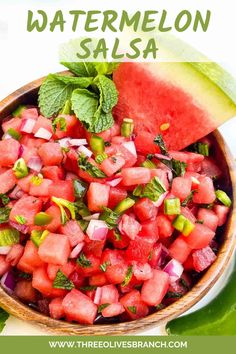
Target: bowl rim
[{"x": 22, "y": 311}]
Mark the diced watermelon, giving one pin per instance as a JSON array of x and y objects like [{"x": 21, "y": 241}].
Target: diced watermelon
[
  {"x": 7, "y": 181},
  {"x": 29, "y": 113},
  {"x": 98, "y": 280},
  {"x": 41, "y": 190},
  {"x": 142, "y": 271},
  {"x": 129, "y": 156},
  {"x": 112, "y": 164},
  {"x": 54, "y": 173},
  {"x": 93, "y": 247},
  {"x": 56, "y": 308},
  {"x": 50, "y": 154},
  {"x": 62, "y": 189},
  {"x": 43, "y": 122},
  {"x": 98, "y": 196},
  {"x": 222, "y": 212},
  {"x": 181, "y": 187},
  {"x": 113, "y": 310},
  {"x": 150, "y": 228},
  {"x": 200, "y": 237},
  {"x": 138, "y": 250},
  {"x": 144, "y": 143},
  {"x": 93, "y": 268},
  {"x": 66, "y": 269},
  {"x": 192, "y": 160},
  {"x": 9, "y": 152},
  {"x": 116, "y": 195},
  {"x": 28, "y": 153},
  {"x": 73, "y": 129},
  {"x": 209, "y": 218},
  {"x": 25, "y": 291},
  {"x": 165, "y": 227},
  {"x": 132, "y": 301},
  {"x": 42, "y": 283},
  {"x": 55, "y": 249},
  {"x": 210, "y": 169},
  {"x": 118, "y": 241},
  {"x": 155, "y": 255},
  {"x": 4, "y": 265},
  {"x": 109, "y": 294},
  {"x": 135, "y": 175},
  {"x": 203, "y": 258},
  {"x": 30, "y": 142},
  {"x": 13, "y": 123},
  {"x": 14, "y": 255},
  {"x": 145, "y": 209},
  {"x": 179, "y": 249},
  {"x": 205, "y": 193},
  {"x": 27, "y": 207},
  {"x": 73, "y": 231},
  {"x": 30, "y": 259},
  {"x": 129, "y": 226},
  {"x": 79, "y": 307},
  {"x": 154, "y": 289},
  {"x": 25, "y": 183}
]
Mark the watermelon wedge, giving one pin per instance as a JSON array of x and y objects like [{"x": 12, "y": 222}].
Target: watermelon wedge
[{"x": 182, "y": 101}]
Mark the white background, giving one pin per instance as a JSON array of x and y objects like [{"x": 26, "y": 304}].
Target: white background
[{"x": 28, "y": 56}]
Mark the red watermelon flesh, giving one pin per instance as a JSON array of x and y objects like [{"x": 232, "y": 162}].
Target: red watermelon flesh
[{"x": 151, "y": 100}]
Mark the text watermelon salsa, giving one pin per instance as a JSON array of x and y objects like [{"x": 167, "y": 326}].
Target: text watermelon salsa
[{"x": 108, "y": 225}]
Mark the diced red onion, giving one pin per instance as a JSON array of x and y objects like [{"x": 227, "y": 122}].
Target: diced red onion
[
  {"x": 130, "y": 146},
  {"x": 164, "y": 254},
  {"x": 43, "y": 133},
  {"x": 114, "y": 182},
  {"x": 71, "y": 176},
  {"x": 170, "y": 175},
  {"x": 78, "y": 142},
  {"x": 174, "y": 269},
  {"x": 76, "y": 250},
  {"x": 35, "y": 163},
  {"x": 8, "y": 282},
  {"x": 21, "y": 150},
  {"x": 97, "y": 230},
  {"x": 6, "y": 136},
  {"x": 98, "y": 295},
  {"x": 82, "y": 149},
  {"x": 4, "y": 250},
  {"x": 22, "y": 228},
  {"x": 92, "y": 217},
  {"x": 27, "y": 125},
  {"x": 163, "y": 157},
  {"x": 64, "y": 143},
  {"x": 17, "y": 193},
  {"x": 161, "y": 199}
]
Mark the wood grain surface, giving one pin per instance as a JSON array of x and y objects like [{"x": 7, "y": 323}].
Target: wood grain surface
[{"x": 28, "y": 95}]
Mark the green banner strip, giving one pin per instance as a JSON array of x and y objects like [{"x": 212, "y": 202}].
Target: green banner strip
[{"x": 125, "y": 344}]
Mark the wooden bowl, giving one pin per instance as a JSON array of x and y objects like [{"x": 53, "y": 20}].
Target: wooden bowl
[{"x": 28, "y": 95}]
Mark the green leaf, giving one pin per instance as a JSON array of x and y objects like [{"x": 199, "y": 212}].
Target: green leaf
[
  {"x": 85, "y": 104},
  {"x": 4, "y": 214},
  {"x": 188, "y": 199},
  {"x": 184, "y": 284},
  {"x": 81, "y": 68},
  {"x": 92, "y": 170},
  {"x": 24, "y": 275},
  {"x": 88, "y": 288},
  {"x": 83, "y": 261},
  {"x": 178, "y": 167},
  {"x": 62, "y": 282},
  {"x": 5, "y": 199},
  {"x": 173, "y": 295},
  {"x": 102, "y": 121},
  {"x": 3, "y": 317},
  {"x": 108, "y": 93},
  {"x": 132, "y": 309},
  {"x": 160, "y": 142},
  {"x": 82, "y": 82},
  {"x": 154, "y": 189},
  {"x": 110, "y": 217},
  {"x": 128, "y": 276},
  {"x": 105, "y": 68},
  {"x": 104, "y": 266},
  {"x": 102, "y": 307},
  {"x": 20, "y": 219},
  {"x": 53, "y": 95}
]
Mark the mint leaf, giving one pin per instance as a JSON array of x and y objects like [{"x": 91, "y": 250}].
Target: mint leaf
[
  {"x": 3, "y": 317},
  {"x": 85, "y": 69},
  {"x": 160, "y": 142},
  {"x": 5, "y": 199},
  {"x": 154, "y": 189},
  {"x": 82, "y": 82},
  {"x": 105, "y": 68},
  {"x": 83, "y": 261},
  {"x": 85, "y": 104},
  {"x": 53, "y": 95},
  {"x": 108, "y": 93},
  {"x": 128, "y": 276},
  {"x": 110, "y": 217},
  {"x": 104, "y": 266},
  {"x": 59, "y": 122},
  {"x": 102, "y": 307},
  {"x": 103, "y": 121},
  {"x": 132, "y": 309},
  {"x": 62, "y": 282}
]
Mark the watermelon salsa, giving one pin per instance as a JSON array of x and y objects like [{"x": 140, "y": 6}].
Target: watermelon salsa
[{"x": 95, "y": 228}]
